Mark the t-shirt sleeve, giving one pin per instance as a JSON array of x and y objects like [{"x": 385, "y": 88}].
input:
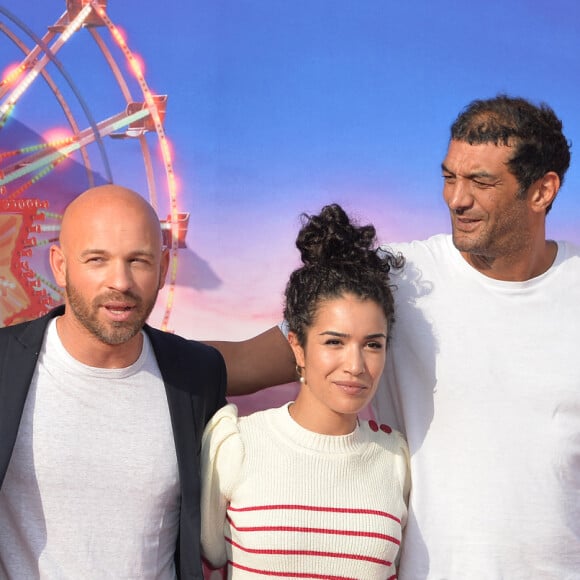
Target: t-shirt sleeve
[{"x": 222, "y": 456}]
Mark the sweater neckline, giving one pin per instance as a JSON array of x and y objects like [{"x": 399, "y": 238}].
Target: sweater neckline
[{"x": 303, "y": 438}]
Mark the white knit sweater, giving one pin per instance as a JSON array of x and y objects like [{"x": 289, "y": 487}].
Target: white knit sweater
[{"x": 281, "y": 501}]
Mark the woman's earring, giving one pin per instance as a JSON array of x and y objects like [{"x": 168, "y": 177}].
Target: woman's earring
[{"x": 299, "y": 373}]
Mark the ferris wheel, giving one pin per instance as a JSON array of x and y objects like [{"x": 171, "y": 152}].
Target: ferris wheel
[{"x": 75, "y": 111}]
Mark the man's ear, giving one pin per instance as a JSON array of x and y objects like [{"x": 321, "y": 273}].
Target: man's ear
[
  {"x": 58, "y": 265},
  {"x": 164, "y": 267},
  {"x": 544, "y": 192},
  {"x": 297, "y": 349}
]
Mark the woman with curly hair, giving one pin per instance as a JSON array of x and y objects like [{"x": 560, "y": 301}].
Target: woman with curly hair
[{"x": 308, "y": 490}]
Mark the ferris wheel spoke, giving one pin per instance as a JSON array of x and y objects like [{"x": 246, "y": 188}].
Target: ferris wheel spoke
[
  {"x": 28, "y": 78},
  {"x": 40, "y": 160}
]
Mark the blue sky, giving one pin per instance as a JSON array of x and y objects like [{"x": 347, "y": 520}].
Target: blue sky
[{"x": 278, "y": 107}]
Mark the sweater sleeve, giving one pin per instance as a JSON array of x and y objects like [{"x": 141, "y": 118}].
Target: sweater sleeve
[
  {"x": 222, "y": 457},
  {"x": 404, "y": 471}
]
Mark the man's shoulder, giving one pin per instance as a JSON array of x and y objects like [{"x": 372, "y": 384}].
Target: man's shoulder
[
  {"x": 567, "y": 263},
  {"x": 435, "y": 243},
  {"x": 34, "y": 328},
  {"x": 570, "y": 249},
  {"x": 422, "y": 255},
  {"x": 171, "y": 340},
  {"x": 190, "y": 366},
  {"x": 178, "y": 345}
]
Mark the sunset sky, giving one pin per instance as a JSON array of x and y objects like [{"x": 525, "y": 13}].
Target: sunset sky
[{"x": 277, "y": 107}]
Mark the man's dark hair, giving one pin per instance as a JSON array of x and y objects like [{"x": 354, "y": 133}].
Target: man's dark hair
[{"x": 533, "y": 131}]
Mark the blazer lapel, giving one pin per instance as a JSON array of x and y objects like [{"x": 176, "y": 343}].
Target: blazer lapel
[
  {"x": 176, "y": 373},
  {"x": 179, "y": 400}
]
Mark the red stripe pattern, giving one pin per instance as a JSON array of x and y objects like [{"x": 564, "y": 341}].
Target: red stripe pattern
[
  {"x": 302, "y": 505},
  {"x": 264, "y": 539}
]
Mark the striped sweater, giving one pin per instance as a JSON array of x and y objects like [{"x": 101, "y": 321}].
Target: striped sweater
[{"x": 279, "y": 501}]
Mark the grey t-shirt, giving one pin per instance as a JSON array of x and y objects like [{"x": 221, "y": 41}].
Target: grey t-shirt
[{"x": 92, "y": 489}]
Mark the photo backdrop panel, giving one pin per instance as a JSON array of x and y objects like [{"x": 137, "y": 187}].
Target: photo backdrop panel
[{"x": 233, "y": 118}]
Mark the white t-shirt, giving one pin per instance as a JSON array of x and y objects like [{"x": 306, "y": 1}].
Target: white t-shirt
[
  {"x": 484, "y": 381},
  {"x": 92, "y": 488}
]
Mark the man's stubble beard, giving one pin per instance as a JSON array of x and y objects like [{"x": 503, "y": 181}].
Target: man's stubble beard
[{"x": 114, "y": 333}]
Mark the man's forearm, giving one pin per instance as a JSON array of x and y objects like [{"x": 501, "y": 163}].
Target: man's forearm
[{"x": 254, "y": 364}]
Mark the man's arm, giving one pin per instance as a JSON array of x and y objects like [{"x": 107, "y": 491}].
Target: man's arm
[{"x": 263, "y": 361}]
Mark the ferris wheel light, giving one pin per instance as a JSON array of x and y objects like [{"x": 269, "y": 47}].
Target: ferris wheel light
[
  {"x": 76, "y": 23},
  {"x": 137, "y": 64},
  {"x": 6, "y": 108},
  {"x": 56, "y": 137},
  {"x": 119, "y": 34},
  {"x": 166, "y": 149},
  {"x": 11, "y": 73}
]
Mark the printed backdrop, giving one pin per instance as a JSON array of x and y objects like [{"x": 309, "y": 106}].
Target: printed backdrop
[{"x": 233, "y": 117}]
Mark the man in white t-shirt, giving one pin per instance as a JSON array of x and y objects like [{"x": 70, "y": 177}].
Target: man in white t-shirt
[
  {"x": 101, "y": 416},
  {"x": 483, "y": 374}
]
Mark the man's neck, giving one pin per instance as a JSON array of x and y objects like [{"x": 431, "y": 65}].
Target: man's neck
[
  {"x": 516, "y": 267},
  {"x": 89, "y": 350}
]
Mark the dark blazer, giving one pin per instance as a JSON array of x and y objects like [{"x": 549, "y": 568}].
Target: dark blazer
[{"x": 195, "y": 381}]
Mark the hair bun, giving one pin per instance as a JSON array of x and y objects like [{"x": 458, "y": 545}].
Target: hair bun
[
  {"x": 339, "y": 258},
  {"x": 330, "y": 238}
]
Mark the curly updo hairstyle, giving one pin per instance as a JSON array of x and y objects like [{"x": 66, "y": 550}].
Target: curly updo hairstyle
[{"x": 338, "y": 257}]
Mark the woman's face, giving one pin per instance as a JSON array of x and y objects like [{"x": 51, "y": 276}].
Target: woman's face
[{"x": 343, "y": 357}]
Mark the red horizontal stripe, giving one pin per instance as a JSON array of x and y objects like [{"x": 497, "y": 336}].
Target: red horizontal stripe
[
  {"x": 311, "y": 553},
  {"x": 271, "y": 573},
  {"x": 315, "y": 509},
  {"x": 313, "y": 531}
]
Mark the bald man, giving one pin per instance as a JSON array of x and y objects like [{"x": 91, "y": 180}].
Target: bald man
[{"x": 101, "y": 416}]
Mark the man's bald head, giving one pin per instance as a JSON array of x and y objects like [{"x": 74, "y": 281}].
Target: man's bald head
[{"x": 107, "y": 200}]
